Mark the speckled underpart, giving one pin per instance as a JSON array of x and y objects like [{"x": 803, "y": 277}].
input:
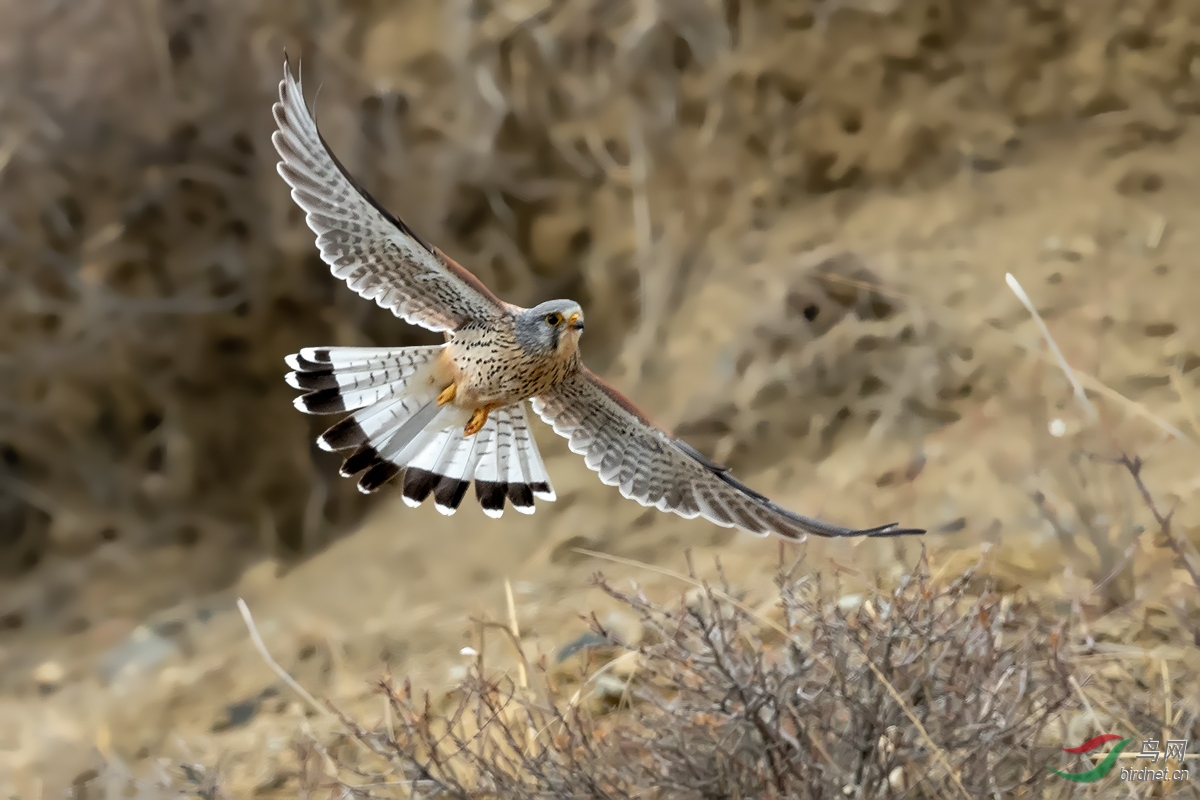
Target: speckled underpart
[{"x": 495, "y": 370}]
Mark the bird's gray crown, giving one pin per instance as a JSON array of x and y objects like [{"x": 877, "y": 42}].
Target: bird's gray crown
[{"x": 564, "y": 307}]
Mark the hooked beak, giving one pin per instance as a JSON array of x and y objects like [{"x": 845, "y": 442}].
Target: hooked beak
[{"x": 575, "y": 323}]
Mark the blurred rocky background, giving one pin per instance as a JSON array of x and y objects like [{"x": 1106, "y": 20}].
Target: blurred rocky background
[{"x": 789, "y": 222}]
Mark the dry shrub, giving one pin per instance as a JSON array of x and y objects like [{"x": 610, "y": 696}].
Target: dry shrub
[
  {"x": 114, "y": 781},
  {"x": 938, "y": 687},
  {"x": 929, "y": 690},
  {"x": 935, "y": 688}
]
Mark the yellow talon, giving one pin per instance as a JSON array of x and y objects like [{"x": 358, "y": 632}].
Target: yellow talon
[
  {"x": 476, "y": 422},
  {"x": 448, "y": 394}
]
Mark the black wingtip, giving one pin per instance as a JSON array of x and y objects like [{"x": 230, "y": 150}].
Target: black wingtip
[
  {"x": 287, "y": 66},
  {"x": 819, "y": 528},
  {"x": 890, "y": 530}
]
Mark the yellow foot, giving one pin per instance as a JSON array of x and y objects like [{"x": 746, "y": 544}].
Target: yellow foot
[
  {"x": 448, "y": 394},
  {"x": 476, "y": 422}
]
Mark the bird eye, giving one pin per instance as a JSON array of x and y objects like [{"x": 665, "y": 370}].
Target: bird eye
[{"x": 554, "y": 318}]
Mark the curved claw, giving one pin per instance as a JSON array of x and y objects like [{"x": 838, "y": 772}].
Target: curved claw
[{"x": 476, "y": 422}]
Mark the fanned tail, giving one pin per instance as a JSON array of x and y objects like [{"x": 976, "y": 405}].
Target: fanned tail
[
  {"x": 397, "y": 428},
  {"x": 389, "y": 391},
  {"x": 502, "y": 459}
]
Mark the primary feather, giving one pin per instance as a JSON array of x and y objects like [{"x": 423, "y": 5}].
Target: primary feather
[{"x": 371, "y": 249}]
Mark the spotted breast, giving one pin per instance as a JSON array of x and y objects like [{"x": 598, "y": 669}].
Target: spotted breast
[{"x": 492, "y": 368}]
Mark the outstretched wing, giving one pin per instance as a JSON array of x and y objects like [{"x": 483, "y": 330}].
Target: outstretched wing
[
  {"x": 655, "y": 469},
  {"x": 363, "y": 244}
]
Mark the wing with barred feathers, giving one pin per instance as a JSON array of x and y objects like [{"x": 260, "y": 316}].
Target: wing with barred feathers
[
  {"x": 363, "y": 244},
  {"x": 652, "y": 467}
]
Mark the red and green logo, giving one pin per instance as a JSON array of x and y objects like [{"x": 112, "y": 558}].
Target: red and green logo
[{"x": 1104, "y": 767}]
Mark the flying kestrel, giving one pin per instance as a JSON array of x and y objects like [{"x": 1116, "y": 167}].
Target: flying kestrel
[{"x": 443, "y": 416}]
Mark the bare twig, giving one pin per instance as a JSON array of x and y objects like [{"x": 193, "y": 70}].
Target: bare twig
[
  {"x": 1080, "y": 394},
  {"x": 292, "y": 683},
  {"x": 1134, "y": 466}
]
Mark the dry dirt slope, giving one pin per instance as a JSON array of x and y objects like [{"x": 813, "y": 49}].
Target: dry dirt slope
[
  {"x": 969, "y": 108},
  {"x": 1110, "y": 274},
  {"x": 609, "y": 152}
]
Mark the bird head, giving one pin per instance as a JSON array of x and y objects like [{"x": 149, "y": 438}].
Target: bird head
[{"x": 551, "y": 327}]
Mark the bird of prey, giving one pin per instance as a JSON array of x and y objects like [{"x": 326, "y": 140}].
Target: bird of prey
[{"x": 441, "y": 417}]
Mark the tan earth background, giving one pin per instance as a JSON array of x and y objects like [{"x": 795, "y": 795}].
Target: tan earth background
[{"x": 789, "y": 224}]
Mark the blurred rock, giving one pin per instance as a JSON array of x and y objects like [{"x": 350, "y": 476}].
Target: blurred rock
[
  {"x": 49, "y": 675},
  {"x": 140, "y": 652}
]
